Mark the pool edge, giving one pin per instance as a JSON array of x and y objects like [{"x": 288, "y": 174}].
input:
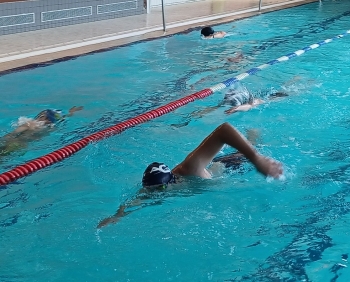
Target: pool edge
[{"x": 53, "y": 54}]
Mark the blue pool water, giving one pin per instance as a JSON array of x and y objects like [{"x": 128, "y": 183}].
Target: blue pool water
[{"x": 236, "y": 227}]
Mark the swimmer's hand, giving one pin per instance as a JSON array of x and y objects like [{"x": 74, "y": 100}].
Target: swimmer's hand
[
  {"x": 267, "y": 166},
  {"x": 74, "y": 109},
  {"x": 257, "y": 102},
  {"x": 241, "y": 108},
  {"x": 115, "y": 218},
  {"x": 235, "y": 59},
  {"x": 231, "y": 110},
  {"x": 107, "y": 221}
]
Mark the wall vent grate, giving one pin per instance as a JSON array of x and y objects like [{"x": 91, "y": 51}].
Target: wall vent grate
[
  {"x": 17, "y": 20},
  {"x": 66, "y": 14},
  {"x": 116, "y": 7}
]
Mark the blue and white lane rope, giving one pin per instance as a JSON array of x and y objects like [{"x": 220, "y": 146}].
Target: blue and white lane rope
[{"x": 252, "y": 71}]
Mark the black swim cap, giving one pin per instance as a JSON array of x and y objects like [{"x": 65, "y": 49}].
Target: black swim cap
[
  {"x": 157, "y": 174},
  {"x": 50, "y": 115},
  {"x": 207, "y": 31}
]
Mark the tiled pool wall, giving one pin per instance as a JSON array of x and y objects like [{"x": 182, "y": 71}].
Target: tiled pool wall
[{"x": 26, "y": 16}]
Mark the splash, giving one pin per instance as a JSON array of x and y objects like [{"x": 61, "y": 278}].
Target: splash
[{"x": 29, "y": 122}]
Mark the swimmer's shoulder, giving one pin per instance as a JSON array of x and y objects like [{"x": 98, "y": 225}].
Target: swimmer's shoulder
[{"x": 219, "y": 34}]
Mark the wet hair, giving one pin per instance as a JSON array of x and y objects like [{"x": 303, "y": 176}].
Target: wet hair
[
  {"x": 157, "y": 174},
  {"x": 207, "y": 31}
]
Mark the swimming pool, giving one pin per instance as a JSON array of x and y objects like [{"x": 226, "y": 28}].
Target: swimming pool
[{"x": 235, "y": 227}]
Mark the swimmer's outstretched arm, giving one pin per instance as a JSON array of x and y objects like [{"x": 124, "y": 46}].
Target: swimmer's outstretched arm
[
  {"x": 114, "y": 218},
  {"x": 245, "y": 107},
  {"x": 197, "y": 114},
  {"x": 72, "y": 111},
  {"x": 219, "y": 34},
  {"x": 136, "y": 204},
  {"x": 239, "y": 57},
  {"x": 241, "y": 108},
  {"x": 197, "y": 161},
  {"x": 205, "y": 111}
]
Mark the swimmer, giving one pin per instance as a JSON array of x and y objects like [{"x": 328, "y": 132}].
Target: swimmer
[
  {"x": 239, "y": 98},
  {"x": 209, "y": 33},
  {"x": 245, "y": 101},
  {"x": 252, "y": 102},
  {"x": 159, "y": 177},
  {"x": 32, "y": 129}
]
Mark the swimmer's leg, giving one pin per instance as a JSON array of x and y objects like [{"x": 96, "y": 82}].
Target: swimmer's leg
[
  {"x": 197, "y": 114},
  {"x": 11, "y": 147}
]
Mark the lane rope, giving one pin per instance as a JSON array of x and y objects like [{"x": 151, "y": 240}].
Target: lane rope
[{"x": 60, "y": 154}]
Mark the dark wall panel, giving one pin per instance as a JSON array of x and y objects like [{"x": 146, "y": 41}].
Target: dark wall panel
[{"x": 25, "y": 16}]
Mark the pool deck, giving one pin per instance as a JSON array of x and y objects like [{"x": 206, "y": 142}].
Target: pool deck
[{"x": 23, "y": 49}]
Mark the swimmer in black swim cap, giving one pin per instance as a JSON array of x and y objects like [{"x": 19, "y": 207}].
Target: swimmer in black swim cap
[
  {"x": 195, "y": 164},
  {"x": 209, "y": 33},
  {"x": 157, "y": 176}
]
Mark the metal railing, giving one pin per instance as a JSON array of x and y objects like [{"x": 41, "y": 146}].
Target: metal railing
[{"x": 228, "y": 8}]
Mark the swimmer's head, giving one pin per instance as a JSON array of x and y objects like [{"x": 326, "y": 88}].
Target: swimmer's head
[
  {"x": 49, "y": 116},
  {"x": 157, "y": 176},
  {"x": 230, "y": 94},
  {"x": 207, "y": 31},
  {"x": 238, "y": 95}
]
